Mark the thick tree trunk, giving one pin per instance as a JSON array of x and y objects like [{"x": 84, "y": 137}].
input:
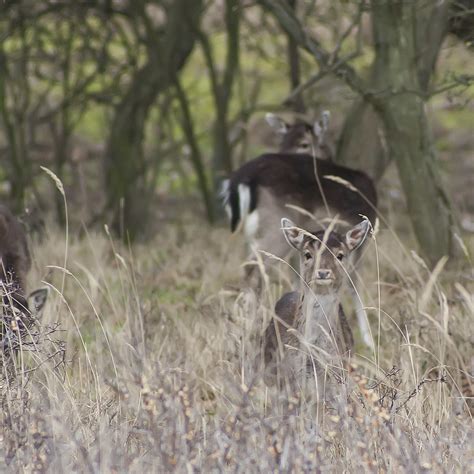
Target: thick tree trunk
[
  {"x": 400, "y": 105},
  {"x": 409, "y": 140},
  {"x": 18, "y": 167},
  {"x": 125, "y": 166},
  {"x": 361, "y": 143},
  {"x": 126, "y": 185}
]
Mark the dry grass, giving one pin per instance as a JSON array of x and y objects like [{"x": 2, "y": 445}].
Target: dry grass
[{"x": 161, "y": 373}]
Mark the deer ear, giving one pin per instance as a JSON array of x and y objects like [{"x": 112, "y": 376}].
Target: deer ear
[
  {"x": 277, "y": 123},
  {"x": 318, "y": 131},
  {"x": 357, "y": 235},
  {"x": 37, "y": 300},
  {"x": 293, "y": 235},
  {"x": 325, "y": 117},
  {"x": 320, "y": 127}
]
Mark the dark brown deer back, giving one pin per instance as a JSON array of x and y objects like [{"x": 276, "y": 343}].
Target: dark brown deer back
[
  {"x": 15, "y": 260},
  {"x": 293, "y": 178}
]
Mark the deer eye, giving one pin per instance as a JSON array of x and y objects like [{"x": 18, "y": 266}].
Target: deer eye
[
  {"x": 340, "y": 255},
  {"x": 308, "y": 256}
]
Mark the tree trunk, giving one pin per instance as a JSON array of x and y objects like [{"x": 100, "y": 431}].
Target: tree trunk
[
  {"x": 222, "y": 91},
  {"x": 196, "y": 157},
  {"x": 361, "y": 144},
  {"x": 19, "y": 168},
  {"x": 400, "y": 104},
  {"x": 297, "y": 102},
  {"x": 127, "y": 190}
]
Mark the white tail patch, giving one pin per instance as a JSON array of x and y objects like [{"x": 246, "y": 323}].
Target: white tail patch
[
  {"x": 244, "y": 201},
  {"x": 251, "y": 225}
]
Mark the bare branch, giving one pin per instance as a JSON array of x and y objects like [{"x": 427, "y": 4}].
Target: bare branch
[{"x": 292, "y": 26}]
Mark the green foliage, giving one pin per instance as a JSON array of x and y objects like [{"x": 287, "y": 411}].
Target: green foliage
[{"x": 93, "y": 123}]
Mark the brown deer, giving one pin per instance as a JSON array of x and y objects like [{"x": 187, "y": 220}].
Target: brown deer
[
  {"x": 309, "y": 333},
  {"x": 18, "y": 309},
  {"x": 306, "y": 189},
  {"x": 301, "y": 136}
]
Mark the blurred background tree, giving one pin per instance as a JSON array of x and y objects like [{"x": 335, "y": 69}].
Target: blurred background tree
[{"x": 140, "y": 106}]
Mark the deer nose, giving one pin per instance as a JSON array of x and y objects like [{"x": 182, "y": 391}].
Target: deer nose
[{"x": 324, "y": 274}]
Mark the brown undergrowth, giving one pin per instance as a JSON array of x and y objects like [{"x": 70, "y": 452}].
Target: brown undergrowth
[{"x": 161, "y": 371}]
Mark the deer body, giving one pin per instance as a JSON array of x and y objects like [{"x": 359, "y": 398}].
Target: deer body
[
  {"x": 266, "y": 189},
  {"x": 262, "y": 189},
  {"x": 14, "y": 253},
  {"x": 319, "y": 322},
  {"x": 310, "y": 332},
  {"x": 15, "y": 262}
]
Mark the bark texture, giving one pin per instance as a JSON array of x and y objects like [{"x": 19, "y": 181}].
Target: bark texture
[
  {"x": 400, "y": 103},
  {"x": 167, "y": 52},
  {"x": 407, "y": 39}
]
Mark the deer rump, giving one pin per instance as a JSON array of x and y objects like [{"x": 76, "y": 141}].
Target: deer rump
[
  {"x": 15, "y": 263},
  {"x": 15, "y": 260},
  {"x": 291, "y": 178}
]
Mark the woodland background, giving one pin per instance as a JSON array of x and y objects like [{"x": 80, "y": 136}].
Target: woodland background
[
  {"x": 137, "y": 110},
  {"x": 133, "y": 104}
]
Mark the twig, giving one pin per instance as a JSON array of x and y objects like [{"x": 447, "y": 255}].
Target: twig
[{"x": 417, "y": 389}]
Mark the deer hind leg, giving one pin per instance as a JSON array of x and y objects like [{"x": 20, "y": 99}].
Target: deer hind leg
[{"x": 361, "y": 315}]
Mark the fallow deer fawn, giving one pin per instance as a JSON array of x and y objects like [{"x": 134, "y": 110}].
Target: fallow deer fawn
[
  {"x": 302, "y": 137},
  {"x": 306, "y": 189},
  {"x": 17, "y": 309},
  {"x": 310, "y": 332}
]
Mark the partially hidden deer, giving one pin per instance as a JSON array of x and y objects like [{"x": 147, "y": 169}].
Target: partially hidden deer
[
  {"x": 308, "y": 190},
  {"x": 302, "y": 136},
  {"x": 309, "y": 334},
  {"x": 18, "y": 309}
]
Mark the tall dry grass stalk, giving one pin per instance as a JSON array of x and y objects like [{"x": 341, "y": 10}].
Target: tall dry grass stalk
[{"x": 163, "y": 374}]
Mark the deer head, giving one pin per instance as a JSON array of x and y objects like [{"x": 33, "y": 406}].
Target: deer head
[
  {"x": 301, "y": 137},
  {"x": 323, "y": 254}
]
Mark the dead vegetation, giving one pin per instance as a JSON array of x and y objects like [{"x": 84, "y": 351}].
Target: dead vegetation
[{"x": 160, "y": 370}]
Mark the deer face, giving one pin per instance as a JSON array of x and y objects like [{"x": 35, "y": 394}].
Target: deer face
[
  {"x": 299, "y": 139},
  {"x": 324, "y": 254}
]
